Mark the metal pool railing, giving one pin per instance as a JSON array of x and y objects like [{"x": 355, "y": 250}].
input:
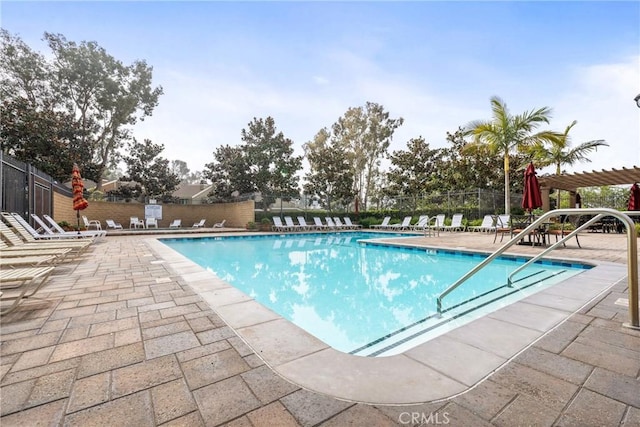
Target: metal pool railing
[{"x": 632, "y": 253}]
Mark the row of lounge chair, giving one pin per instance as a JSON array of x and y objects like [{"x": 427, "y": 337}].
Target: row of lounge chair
[
  {"x": 333, "y": 224},
  {"x": 425, "y": 223},
  {"x": 28, "y": 258}
]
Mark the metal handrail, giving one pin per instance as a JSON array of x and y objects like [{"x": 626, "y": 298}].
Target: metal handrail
[
  {"x": 552, "y": 247},
  {"x": 632, "y": 254}
]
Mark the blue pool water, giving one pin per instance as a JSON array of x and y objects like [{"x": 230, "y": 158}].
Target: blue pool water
[{"x": 359, "y": 295}]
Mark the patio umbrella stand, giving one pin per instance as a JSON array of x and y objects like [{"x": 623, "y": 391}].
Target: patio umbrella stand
[{"x": 79, "y": 202}]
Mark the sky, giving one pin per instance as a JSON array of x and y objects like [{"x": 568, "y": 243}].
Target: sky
[{"x": 435, "y": 64}]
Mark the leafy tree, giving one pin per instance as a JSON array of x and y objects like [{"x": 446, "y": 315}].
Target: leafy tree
[
  {"x": 105, "y": 95},
  {"x": 42, "y": 137},
  {"x": 180, "y": 169},
  {"x": 102, "y": 95},
  {"x": 506, "y": 133},
  {"x": 272, "y": 165},
  {"x": 558, "y": 152},
  {"x": 330, "y": 176},
  {"x": 415, "y": 171},
  {"x": 146, "y": 167},
  {"x": 365, "y": 134},
  {"x": 264, "y": 163},
  {"x": 23, "y": 72},
  {"x": 229, "y": 173}
]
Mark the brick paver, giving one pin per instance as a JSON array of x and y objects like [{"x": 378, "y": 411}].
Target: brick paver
[{"x": 119, "y": 339}]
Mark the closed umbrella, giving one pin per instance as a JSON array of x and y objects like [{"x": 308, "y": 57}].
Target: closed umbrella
[
  {"x": 634, "y": 198},
  {"x": 79, "y": 202},
  {"x": 531, "y": 198}
]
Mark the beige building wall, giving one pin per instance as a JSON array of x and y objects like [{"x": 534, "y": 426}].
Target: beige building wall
[{"x": 237, "y": 215}]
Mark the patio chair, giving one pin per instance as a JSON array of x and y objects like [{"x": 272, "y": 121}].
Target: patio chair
[
  {"x": 351, "y": 225},
  {"x": 26, "y": 281},
  {"x": 385, "y": 223},
  {"x": 303, "y": 224},
  {"x": 502, "y": 224},
  {"x": 290, "y": 225},
  {"x": 176, "y": 223},
  {"x": 151, "y": 222},
  {"x": 317, "y": 222},
  {"x": 219, "y": 224},
  {"x": 200, "y": 223},
  {"x": 330, "y": 224},
  {"x": 91, "y": 223},
  {"x": 134, "y": 222},
  {"x": 486, "y": 226},
  {"x": 26, "y": 260},
  {"x": 57, "y": 229},
  {"x": 568, "y": 224},
  {"x": 456, "y": 223},
  {"x": 22, "y": 233},
  {"x": 113, "y": 225},
  {"x": 423, "y": 222},
  {"x": 8, "y": 252},
  {"x": 15, "y": 235},
  {"x": 277, "y": 224},
  {"x": 339, "y": 224},
  {"x": 404, "y": 225}
]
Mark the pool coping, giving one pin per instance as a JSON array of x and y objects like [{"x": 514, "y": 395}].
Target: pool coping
[{"x": 441, "y": 368}]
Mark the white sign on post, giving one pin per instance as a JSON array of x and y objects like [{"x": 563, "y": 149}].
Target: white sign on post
[{"x": 153, "y": 211}]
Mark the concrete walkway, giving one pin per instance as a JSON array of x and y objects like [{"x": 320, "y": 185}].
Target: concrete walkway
[{"x": 120, "y": 339}]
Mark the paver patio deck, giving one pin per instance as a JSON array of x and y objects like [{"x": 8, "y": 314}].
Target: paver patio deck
[{"x": 121, "y": 338}]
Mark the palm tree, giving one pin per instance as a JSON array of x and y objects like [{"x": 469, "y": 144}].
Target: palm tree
[
  {"x": 559, "y": 152},
  {"x": 505, "y": 133}
]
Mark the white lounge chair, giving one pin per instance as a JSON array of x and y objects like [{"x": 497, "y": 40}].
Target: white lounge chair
[
  {"x": 385, "y": 223},
  {"x": 176, "y": 223},
  {"x": 200, "y": 223},
  {"x": 91, "y": 223},
  {"x": 339, "y": 224},
  {"x": 404, "y": 225},
  {"x": 290, "y": 224},
  {"x": 29, "y": 235},
  {"x": 330, "y": 224},
  {"x": 59, "y": 230},
  {"x": 277, "y": 224},
  {"x": 486, "y": 225},
  {"x": 351, "y": 225},
  {"x": 456, "y": 223},
  {"x": 25, "y": 281},
  {"x": 422, "y": 223},
  {"x": 151, "y": 222},
  {"x": 219, "y": 224},
  {"x": 303, "y": 224},
  {"x": 112, "y": 224},
  {"x": 318, "y": 223},
  {"x": 134, "y": 222}
]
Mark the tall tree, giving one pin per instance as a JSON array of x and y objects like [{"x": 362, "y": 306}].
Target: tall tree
[
  {"x": 106, "y": 96},
  {"x": 414, "y": 171},
  {"x": 366, "y": 134},
  {"x": 146, "y": 167},
  {"x": 330, "y": 176},
  {"x": 272, "y": 164},
  {"x": 102, "y": 95},
  {"x": 558, "y": 152},
  {"x": 180, "y": 169},
  {"x": 229, "y": 173},
  {"x": 505, "y": 134}
]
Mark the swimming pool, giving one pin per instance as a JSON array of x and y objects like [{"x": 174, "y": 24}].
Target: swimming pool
[{"x": 361, "y": 296}]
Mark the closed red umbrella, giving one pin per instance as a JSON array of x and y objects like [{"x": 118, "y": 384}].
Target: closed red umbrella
[
  {"x": 79, "y": 202},
  {"x": 531, "y": 198},
  {"x": 634, "y": 198}
]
